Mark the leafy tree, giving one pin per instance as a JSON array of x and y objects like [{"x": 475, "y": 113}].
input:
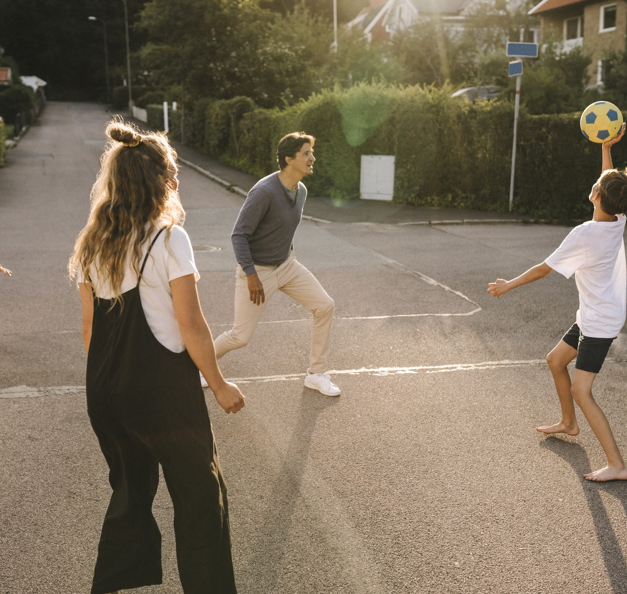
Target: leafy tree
[
  {"x": 346, "y": 9},
  {"x": 555, "y": 83},
  {"x": 357, "y": 60},
  {"x": 615, "y": 77},
  {"x": 223, "y": 49},
  {"x": 55, "y": 41},
  {"x": 431, "y": 55}
]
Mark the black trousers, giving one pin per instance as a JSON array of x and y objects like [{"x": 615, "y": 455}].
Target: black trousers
[{"x": 129, "y": 553}]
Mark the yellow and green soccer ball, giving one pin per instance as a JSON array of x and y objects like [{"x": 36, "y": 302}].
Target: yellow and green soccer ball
[{"x": 601, "y": 121}]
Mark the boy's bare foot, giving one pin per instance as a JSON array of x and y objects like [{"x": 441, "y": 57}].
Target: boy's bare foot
[
  {"x": 559, "y": 428},
  {"x": 608, "y": 473}
]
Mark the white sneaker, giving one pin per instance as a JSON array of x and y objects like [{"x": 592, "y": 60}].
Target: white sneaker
[
  {"x": 203, "y": 381},
  {"x": 321, "y": 382}
]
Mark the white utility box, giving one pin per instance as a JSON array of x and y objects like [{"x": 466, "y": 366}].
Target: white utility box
[{"x": 377, "y": 177}]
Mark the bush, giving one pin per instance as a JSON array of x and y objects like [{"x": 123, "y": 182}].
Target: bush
[
  {"x": 155, "y": 120},
  {"x": 119, "y": 97},
  {"x": 3, "y": 145},
  {"x": 14, "y": 100},
  {"x": 150, "y": 98},
  {"x": 448, "y": 153}
]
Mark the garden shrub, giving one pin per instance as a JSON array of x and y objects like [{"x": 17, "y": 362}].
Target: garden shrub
[
  {"x": 119, "y": 97},
  {"x": 15, "y": 99},
  {"x": 150, "y": 98},
  {"x": 448, "y": 153},
  {"x": 3, "y": 144},
  {"x": 155, "y": 120}
]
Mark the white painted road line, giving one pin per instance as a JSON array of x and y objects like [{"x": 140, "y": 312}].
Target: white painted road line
[{"x": 28, "y": 392}]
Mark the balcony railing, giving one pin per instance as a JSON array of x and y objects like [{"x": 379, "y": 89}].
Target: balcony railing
[{"x": 570, "y": 44}]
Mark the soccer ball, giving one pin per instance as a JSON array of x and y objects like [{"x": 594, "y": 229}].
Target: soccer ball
[{"x": 601, "y": 121}]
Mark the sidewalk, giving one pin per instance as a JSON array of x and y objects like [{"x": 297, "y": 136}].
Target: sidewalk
[{"x": 347, "y": 211}]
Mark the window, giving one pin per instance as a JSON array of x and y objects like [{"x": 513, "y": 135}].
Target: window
[
  {"x": 608, "y": 18},
  {"x": 572, "y": 28}
]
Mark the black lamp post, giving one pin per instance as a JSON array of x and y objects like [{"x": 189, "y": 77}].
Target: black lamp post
[
  {"x": 104, "y": 28},
  {"x": 128, "y": 57}
]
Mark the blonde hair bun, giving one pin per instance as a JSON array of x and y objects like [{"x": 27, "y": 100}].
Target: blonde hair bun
[{"x": 125, "y": 133}]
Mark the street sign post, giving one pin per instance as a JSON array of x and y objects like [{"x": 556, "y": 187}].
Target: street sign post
[
  {"x": 522, "y": 50},
  {"x": 517, "y": 50},
  {"x": 515, "y": 68}
]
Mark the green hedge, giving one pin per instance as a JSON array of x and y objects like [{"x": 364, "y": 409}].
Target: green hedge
[
  {"x": 155, "y": 120},
  {"x": 3, "y": 144},
  {"x": 14, "y": 100},
  {"x": 119, "y": 96},
  {"x": 448, "y": 153}
]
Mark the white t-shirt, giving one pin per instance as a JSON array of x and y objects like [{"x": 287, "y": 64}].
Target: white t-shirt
[
  {"x": 167, "y": 261},
  {"x": 595, "y": 252}
]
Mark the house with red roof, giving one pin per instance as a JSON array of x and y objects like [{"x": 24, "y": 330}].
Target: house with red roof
[
  {"x": 381, "y": 19},
  {"x": 597, "y": 27}
]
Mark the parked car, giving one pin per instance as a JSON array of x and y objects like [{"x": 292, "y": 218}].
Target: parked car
[{"x": 478, "y": 93}]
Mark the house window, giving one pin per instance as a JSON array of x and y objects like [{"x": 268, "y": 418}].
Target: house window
[
  {"x": 608, "y": 18},
  {"x": 572, "y": 28}
]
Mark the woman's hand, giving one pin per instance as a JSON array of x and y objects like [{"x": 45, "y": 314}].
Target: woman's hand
[{"x": 230, "y": 398}]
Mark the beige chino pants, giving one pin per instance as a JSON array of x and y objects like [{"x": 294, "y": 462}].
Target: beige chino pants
[{"x": 293, "y": 279}]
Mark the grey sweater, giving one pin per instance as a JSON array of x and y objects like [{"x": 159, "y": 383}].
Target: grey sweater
[{"x": 264, "y": 230}]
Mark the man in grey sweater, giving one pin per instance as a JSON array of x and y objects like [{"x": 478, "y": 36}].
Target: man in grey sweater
[{"x": 263, "y": 243}]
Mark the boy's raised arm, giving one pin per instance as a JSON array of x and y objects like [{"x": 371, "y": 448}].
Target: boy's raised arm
[
  {"x": 501, "y": 286},
  {"x": 605, "y": 148}
]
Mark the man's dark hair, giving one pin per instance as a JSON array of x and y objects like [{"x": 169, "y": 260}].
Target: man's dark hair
[
  {"x": 290, "y": 144},
  {"x": 613, "y": 192}
]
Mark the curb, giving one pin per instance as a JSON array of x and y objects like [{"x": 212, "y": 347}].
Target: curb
[
  {"x": 232, "y": 187},
  {"x": 237, "y": 190},
  {"x": 471, "y": 222}
]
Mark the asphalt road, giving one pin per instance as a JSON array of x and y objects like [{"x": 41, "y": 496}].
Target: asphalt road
[{"x": 425, "y": 476}]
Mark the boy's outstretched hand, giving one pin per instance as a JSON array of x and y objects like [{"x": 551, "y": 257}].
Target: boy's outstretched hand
[
  {"x": 617, "y": 137},
  {"x": 499, "y": 287}
]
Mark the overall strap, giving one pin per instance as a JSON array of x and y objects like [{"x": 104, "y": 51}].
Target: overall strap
[{"x": 148, "y": 253}]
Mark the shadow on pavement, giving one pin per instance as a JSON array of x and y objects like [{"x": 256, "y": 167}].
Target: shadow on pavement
[
  {"x": 613, "y": 557},
  {"x": 273, "y": 534}
]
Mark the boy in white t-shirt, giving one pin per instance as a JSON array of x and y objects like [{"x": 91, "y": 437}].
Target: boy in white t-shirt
[{"x": 595, "y": 253}]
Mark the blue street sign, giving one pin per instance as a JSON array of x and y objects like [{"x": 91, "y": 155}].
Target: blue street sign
[
  {"x": 522, "y": 50},
  {"x": 515, "y": 68}
]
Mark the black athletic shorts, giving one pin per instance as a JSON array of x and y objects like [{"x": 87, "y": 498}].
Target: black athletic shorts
[{"x": 591, "y": 352}]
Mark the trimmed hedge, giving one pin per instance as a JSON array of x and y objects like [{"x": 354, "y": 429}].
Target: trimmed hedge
[
  {"x": 155, "y": 119},
  {"x": 14, "y": 100},
  {"x": 3, "y": 144},
  {"x": 448, "y": 153}
]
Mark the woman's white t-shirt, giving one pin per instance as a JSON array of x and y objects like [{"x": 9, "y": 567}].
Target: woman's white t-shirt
[
  {"x": 169, "y": 258},
  {"x": 595, "y": 253}
]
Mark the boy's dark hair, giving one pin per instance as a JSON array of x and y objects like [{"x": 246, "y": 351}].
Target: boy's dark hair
[
  {"x": 290, "y": 144},
  {"x": 613, "y": 191}
]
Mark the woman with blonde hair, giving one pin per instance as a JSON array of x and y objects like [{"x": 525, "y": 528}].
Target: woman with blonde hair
[{"x": 146, "y": 338}]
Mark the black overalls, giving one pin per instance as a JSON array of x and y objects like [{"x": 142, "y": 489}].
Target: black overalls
[{"x": 147, "y": 407}]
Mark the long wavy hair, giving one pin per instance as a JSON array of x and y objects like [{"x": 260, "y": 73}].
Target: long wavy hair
[{"x": 130, "y": 199}]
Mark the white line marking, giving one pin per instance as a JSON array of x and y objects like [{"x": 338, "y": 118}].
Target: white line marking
[
  {"x": 422, "y": 277},
  {"x": 27, "y": 392},
  {"x": 385, "y": 371}
]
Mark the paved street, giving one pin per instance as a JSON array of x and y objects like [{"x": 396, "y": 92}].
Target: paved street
[{"x": 425, "y": 476}]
